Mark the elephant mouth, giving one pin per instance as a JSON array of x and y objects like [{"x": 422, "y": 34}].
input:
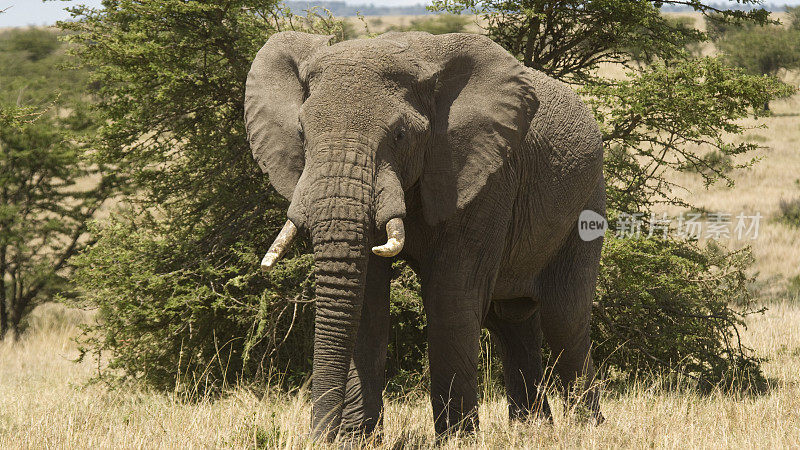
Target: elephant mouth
[{"x": 395, "y": 232}]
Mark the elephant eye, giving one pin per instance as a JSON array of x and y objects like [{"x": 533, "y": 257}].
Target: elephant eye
[
  {"x": 400, "y": 134},
  {"x": 300, "y": 133}
]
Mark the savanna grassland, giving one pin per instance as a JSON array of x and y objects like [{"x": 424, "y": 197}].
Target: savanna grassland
[{"x": 47, "y": 401}]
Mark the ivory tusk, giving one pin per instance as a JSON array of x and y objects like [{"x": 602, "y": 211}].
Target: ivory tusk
[
  {"x": 396, "y": 239},
  {"x": 279, "y": 246}
]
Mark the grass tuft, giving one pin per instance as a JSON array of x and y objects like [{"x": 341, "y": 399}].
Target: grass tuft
[{"x": 790, "y": 212}]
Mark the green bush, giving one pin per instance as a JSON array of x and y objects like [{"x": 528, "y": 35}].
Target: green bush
[
  {"x": 193, "y": 325},
  {"x": 793, "y": 288},
  {"x": 36, "y": 71},
  {"x": 36, "y": 43},
  {"x": 759, "y": 50},
  {"x": 789, "y": 212},
  {"x": 408, "y": 358},
  {"x": 669, "y": 305}
]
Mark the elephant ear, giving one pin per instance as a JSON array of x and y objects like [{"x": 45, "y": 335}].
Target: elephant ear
[
  {"x": 483, "y": 107},
  {"x": 273, "y": 96}
]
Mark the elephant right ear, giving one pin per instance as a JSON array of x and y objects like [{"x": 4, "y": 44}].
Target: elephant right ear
[
  {"x": 273, "y": 96},
  {"x": 483, "y": 105}
]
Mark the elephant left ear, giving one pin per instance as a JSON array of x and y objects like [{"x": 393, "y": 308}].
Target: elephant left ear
[{"x": 483, "y": 107}]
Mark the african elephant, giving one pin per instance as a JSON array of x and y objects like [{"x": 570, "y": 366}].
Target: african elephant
[{"x": 472, "y": 168}]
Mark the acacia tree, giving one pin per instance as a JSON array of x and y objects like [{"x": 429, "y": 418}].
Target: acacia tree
[
  {"x": 174, "y": 275},
  {"x": 47, "y": 197},
  {"x": 10, "y": 118},
  {"x": 49, "y": 187},
  {"x": 761, "y": 50}
]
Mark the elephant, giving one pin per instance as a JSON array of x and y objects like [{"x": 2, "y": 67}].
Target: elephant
[{"x": 446, "y": 152}]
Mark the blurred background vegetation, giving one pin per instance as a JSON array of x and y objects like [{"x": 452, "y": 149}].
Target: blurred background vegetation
[{"x": 49, "y": 186}]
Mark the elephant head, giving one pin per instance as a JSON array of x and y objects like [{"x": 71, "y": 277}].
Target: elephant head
[{"x": 346, "y": 130}]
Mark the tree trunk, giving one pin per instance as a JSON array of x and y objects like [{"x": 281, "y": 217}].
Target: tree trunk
[
  {"x": 14, "y": 320},
  {"x": 3, "y": 311},
  {"x": 3, "y": 305},
  {"x": 18, "y": 302}
]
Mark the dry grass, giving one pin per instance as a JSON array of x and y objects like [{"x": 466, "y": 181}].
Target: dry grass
[{"x": 46, "y": 403}]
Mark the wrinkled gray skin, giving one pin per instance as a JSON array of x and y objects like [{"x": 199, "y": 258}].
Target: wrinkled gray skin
[{"x": 489, "y": 164}]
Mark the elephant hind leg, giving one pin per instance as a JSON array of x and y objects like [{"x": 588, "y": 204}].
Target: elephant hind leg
[
  {"x": 520, "y": 346},
  {"x": 567, "y": 288}
]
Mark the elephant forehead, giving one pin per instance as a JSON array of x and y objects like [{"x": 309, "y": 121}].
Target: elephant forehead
[
  {"x": 343, "y": 88},
  {"x": 349, "y": 109},
  {"x": 363, "y": 47},
  {"x": 355, "y": 81},
  {"x": 364, "y": 58}
]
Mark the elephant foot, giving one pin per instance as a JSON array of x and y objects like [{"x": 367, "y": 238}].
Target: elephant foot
[
  {"x": 357, "y": 435},
  {"x": 358, "y": 440},
  {"x": 455, "y": 427},
  {"x": 541, "y": 413}
]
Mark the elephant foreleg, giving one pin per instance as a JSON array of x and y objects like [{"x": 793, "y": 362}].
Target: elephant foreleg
[
  {"x": 453, "y": 350},
  {"x": 454, "y": 313},
  {"x": 457, "y": 282}
]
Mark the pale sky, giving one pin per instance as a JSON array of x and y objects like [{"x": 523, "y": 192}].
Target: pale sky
[{"x": 36, "y": 12}]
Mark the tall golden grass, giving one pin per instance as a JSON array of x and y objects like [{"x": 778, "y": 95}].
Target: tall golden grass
[{"x": 45, "y": 402}]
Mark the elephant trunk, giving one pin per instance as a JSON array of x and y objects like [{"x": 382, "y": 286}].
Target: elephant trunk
[
  {"x": 339, "y": 199},
  {"x": 341, "y": 262}
]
